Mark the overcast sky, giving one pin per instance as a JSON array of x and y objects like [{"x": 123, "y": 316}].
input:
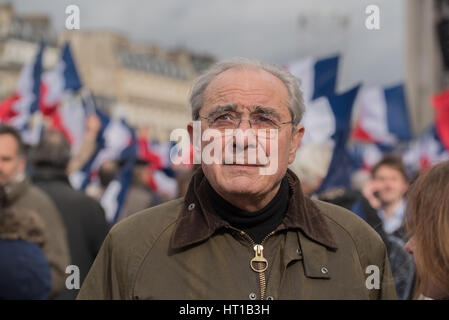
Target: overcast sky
[{"x": 274, "y": 31}]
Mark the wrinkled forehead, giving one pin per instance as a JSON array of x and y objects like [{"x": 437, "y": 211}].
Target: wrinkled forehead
[{"x": 246, "y": 88}]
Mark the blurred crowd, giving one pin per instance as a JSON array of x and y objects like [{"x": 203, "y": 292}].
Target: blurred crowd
[
  {"x": 402, "y": 206},
  {"x": 47, "y": 225}
]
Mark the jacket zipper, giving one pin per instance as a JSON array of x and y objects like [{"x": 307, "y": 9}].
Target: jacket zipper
[{"x": 259, "y": 264}]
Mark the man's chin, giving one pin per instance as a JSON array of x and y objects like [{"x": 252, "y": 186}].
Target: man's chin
[
  {"x": 243, "y": 185},
  {"x": 387, "y": 201},
  {"x": 239, "y": 179}
]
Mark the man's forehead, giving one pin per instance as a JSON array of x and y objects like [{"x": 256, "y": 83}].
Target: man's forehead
[
  {"x": 8, "y": 145},
  {"x": 247, "y": 88},
  {"x": 387, "y": 170}
]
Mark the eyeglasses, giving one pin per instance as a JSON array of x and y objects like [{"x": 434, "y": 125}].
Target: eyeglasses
[{"x": 231, "y": 120}]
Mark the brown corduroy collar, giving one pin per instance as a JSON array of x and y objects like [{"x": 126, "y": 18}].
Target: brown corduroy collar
[{"x": 197, "y": 221}]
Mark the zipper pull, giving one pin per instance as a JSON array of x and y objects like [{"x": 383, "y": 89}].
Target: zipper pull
[{"x": 258, "y": 259}]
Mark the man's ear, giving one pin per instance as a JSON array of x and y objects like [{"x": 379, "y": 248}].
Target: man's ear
[
  {"x": 190, "y": 131},
  {"x": 295, "y": 142}
]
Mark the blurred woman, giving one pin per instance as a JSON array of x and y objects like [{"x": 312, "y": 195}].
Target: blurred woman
[
  {"x": 24, "y": 270},
  {"x": 428, "y": 226}
]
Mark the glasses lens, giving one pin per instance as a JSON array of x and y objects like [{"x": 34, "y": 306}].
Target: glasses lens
[
  {"x": 261, "y": 121},
  {"x": 224, "y": 121}
]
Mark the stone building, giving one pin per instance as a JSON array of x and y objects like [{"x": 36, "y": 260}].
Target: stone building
[
  {"x": 145, "y": 84},
  {"x": 19, "y": 41}
]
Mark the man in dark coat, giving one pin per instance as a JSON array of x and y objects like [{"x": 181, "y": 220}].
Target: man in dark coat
[
  {"x": 83, "y": 216},
  {"x": 244, "y": 230}
]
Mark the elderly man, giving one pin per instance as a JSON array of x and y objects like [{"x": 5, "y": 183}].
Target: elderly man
[{"x": 240, "y": 232}]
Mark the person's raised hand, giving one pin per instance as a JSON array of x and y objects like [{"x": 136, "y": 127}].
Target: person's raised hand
[{"x": 369, "y": 192}]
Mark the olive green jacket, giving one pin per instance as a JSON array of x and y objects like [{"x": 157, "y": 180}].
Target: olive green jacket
[{"x": 182, "y": 250}]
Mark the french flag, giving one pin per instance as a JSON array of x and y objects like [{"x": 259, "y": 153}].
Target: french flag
[
  {"x": 318, "y": 76},
  {"x": 58, "y": 101},
  {"x": 382, "y": 116},
  {"x": 366, "y": 155},
  {"x": 161, "y": 178},
  {"x": 116, "y": 141},
  {"x": 340, "y": 167},
  {"x": 117, "y": 137},
  {"x": 162, "y": 149},
  {"x": 70, "y": 119},
  {"x": 17, "y": 109},
  {"x": 114, "y": 196},
  {"x": 60, "y": 81},
  {"x": 425, "y": 151},
  {"x": 146, "y": 153}
]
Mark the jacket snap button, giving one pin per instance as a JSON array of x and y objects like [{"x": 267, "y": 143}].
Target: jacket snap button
[
  {"x": 298, "y": 251},
  {"x": 191, "y": 206},
  {"x": 252, "y": 296},
  {"x": 270, "y": 298},
  {"x": 324, "y": 270}
]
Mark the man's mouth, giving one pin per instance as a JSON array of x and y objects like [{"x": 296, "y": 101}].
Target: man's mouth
[{"x": 244, "y": 165}]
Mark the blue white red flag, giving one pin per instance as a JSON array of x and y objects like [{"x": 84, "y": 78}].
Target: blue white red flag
[
  {"x": 382, "y": 116},
  {"x": 318, "y": 76},
  {"x": 425, "y": 151},
  {"x": 18, "y": 109},
  {"x": 59, "y": 102},
  {"x": 329, "y": 120},
  {"x": 114, "y": 196},
  {"x": 116, "y": 141},
  {"x": 63, "y": 79}
]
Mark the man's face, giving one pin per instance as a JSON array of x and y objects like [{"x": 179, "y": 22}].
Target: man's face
[
  {"x": 11, "y": 163},
  {"x": 390, "y": 183},
  {"x": 245, "y": 90}
]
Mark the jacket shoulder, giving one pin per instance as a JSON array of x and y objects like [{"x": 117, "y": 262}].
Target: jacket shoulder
[
  {"x": 142, "y": 229},
  {"x": 125, "y": 249},
  {"x": 347, "y": 224},
  {"x": 33, "y": 196},
  {"x": 150, "y": 220},
  {"x": 37, "y": 200},
  {"x": 345, "y": 219}
]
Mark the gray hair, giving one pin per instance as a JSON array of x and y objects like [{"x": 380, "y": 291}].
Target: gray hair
[{"x": 296, "y": 103}]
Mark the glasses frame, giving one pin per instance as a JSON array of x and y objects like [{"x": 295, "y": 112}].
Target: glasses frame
[{"x": 277, "y": 125}]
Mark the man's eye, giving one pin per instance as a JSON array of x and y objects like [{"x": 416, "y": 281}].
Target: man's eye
[
  {"x": 262, "y": 118},
  {"x": 225, "y": 116}
]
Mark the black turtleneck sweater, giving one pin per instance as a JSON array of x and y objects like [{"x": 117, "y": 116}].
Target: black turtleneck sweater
[{"x": 256, "y": 224}]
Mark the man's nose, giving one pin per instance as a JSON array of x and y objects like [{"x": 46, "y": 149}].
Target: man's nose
[
  {"x": 245, "y": 124},
  {"x": 245, "y": 136}
]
